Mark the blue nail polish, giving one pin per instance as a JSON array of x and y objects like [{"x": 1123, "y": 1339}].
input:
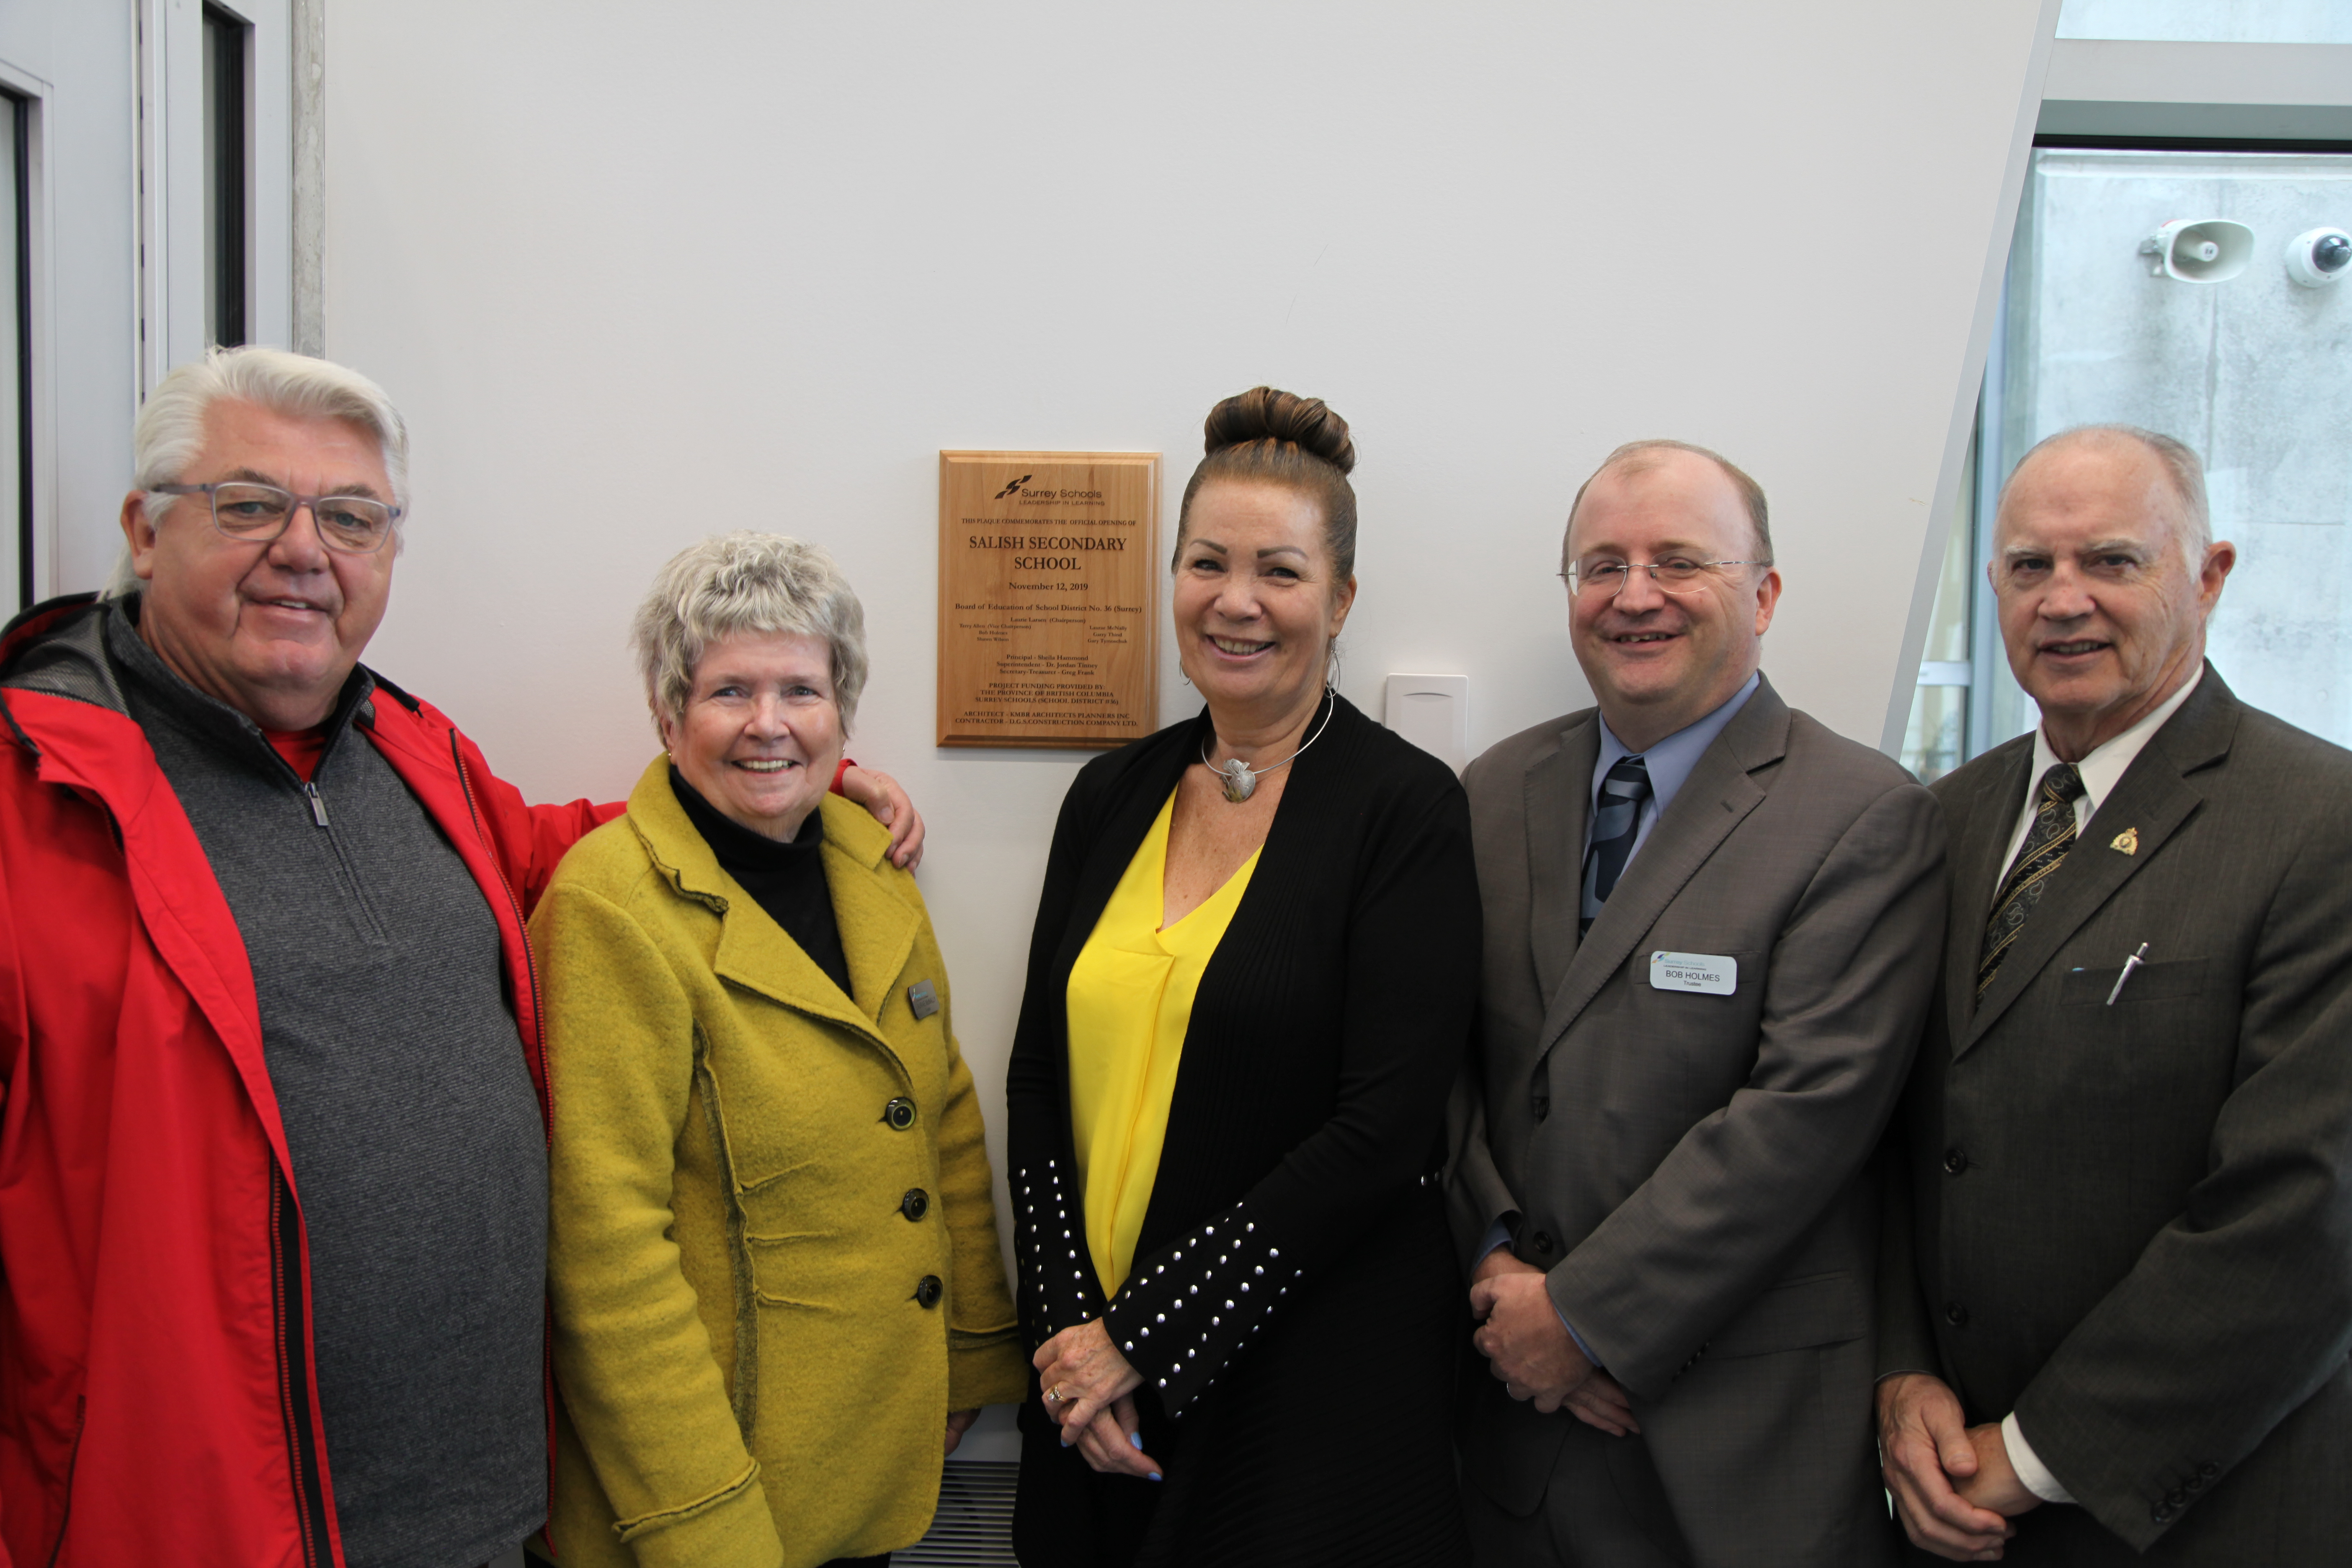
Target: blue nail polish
[
  {"x": 1066, "y": 1442},
  {"x": 1155, "y": 1475},
  {"x": 1136, "y": 1438}
]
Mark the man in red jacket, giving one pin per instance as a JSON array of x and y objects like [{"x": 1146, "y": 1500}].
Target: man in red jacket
[{"x": 272, "y": 1144}]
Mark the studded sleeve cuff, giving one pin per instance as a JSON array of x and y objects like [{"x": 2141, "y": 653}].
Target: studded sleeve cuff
[
  {"x": 1058, "y": 1290},
  {"x": 1187, "y": 1310}
]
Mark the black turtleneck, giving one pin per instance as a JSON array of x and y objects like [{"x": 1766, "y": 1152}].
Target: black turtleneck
[{"x": 787, "y": 879}]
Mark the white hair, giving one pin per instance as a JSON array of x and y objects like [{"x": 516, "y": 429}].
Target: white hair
[
  {"x": 170, "y": 432},
  {"x": 743, "y": 582},
  {"x": 2184, "y": 475}
]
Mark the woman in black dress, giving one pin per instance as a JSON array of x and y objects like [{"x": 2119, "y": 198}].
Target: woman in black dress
[{"x": 1234, "y": 1267}]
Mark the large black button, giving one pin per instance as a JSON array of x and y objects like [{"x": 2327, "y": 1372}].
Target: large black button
[
  {"x": 915, "y": 1204},
  {"x": 2176, "y": 1498},
  {"x": 2160, "y": 1514},
  {"x": 1956, "y": 1314},
  {"x": 1956, "y": 1159},
  {"x": 1543, "y": 1241},
  {"x": 2208, "y": 1469},
  {"x": 927, "y": 1293},
  {"x": 899, "y": 1114}
]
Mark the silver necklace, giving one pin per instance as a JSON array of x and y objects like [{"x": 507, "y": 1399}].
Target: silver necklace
[{"x": 1239, "y": 780}]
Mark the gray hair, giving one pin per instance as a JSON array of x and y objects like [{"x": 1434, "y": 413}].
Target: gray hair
[
  {"x": 735, "y": 583},
  {"x": 170, "y": 432},
  {"x": 1639, "y": 456},
  {"x": 2184, "y": 473}
]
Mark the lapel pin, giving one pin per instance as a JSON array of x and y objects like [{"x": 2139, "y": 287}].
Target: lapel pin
[
  {"x": 2127, "y": 841},
  {"x": 922, "y": 1000}
]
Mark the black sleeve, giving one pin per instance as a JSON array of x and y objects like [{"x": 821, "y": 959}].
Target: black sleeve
[
  {"x": 1056, "y": 1285},
  {"x": 1409, "y": 985}
]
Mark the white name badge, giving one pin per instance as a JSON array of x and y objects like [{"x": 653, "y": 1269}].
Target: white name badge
[{"x": 1712, "y": 974}]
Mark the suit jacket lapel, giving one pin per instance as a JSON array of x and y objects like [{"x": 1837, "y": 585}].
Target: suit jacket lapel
[
  {"x": 753, "y": 950},
  {"x": 2153, "y": 798},
  {"x": 1980, "y": 846},
  {"x": 1559, "y": 798},
  {"x": 1714, "y": 799},
  {"x": 878, "y": 925},
  {"x": 755, "y": 954}
]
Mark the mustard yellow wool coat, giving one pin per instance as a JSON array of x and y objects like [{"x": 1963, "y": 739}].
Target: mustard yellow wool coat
[{"x": 748, "y": 1373}]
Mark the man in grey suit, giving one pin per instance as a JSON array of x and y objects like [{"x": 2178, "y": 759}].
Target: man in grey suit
[
  {"x": 2118, "y": 1284},
  {"x": 1711, "y": 930}
]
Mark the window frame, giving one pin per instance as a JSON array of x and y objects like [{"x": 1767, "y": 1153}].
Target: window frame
[
  {"x": 170, "y": 140},
  {"x": 2127, "y": 95}
]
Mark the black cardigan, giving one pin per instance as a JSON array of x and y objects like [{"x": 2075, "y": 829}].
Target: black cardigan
[{"x": 1310, "y": 1098}]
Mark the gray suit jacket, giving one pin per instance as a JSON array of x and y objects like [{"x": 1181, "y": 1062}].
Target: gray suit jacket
[
  {"x": 1690, "y": 1169},
  {"x": 2133, "y": 1224}
]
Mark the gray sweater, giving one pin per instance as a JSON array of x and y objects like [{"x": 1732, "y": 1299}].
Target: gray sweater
[{"x": 419, "y": 1155}]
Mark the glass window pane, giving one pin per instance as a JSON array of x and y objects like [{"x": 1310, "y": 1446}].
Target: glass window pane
[
  {"x": 1931, "y": 742},
  {"x": 2248, "y": 372},
  {"x": 2009, "y": 711},
  {"x": 1948, "y": 623},
  {"x": 2210, "y": 21}
]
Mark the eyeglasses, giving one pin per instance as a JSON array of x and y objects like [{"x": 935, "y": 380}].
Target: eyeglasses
[
  {"x": 1675, "y": 575},
  {"x": 257, "y": 513}
]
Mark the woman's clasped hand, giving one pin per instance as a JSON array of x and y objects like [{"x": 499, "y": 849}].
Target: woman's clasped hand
[{"x": 1089, "y": 1388}]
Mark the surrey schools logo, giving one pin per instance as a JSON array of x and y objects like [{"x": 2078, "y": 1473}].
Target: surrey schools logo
[{"x": 1014, "y": 487}]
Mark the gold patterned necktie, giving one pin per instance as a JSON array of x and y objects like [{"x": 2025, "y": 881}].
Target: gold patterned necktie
[{"x": 2047, "y": 843}]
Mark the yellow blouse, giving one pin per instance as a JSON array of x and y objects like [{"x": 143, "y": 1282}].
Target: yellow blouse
[{"x": 1130, "y": 1001}]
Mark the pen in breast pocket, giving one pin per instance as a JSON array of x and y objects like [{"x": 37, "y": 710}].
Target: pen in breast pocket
[{"x": 2134, "y": 962}]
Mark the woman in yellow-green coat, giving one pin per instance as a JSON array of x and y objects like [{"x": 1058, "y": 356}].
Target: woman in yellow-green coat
[{"x": 773, "y": 1265}]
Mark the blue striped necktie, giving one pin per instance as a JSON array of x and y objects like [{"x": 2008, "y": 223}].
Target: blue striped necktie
[{"x": 1615, "y": 819}]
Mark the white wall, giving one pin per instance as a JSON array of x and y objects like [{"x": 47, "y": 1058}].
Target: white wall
[{"x": 637, "y": 275}]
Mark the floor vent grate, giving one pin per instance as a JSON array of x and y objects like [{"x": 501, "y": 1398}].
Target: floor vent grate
[{"x": 974, "y": 1528}]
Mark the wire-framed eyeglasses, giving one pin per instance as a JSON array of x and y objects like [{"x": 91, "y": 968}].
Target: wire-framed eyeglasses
[
  {"x": 1676, "y": 575},
  {"x": 256, "y": 514}
]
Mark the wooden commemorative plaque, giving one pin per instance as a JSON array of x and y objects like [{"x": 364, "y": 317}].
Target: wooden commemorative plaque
[{"x": 1049, "y": 612}]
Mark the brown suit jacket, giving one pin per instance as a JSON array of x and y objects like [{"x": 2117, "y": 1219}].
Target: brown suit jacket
[
  {"x": 1690, "y": 1169},
  {"x": 2132, "y": 1223}
]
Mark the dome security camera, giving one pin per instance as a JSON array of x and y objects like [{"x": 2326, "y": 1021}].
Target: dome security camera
[
  {"x": 2319, "y": 256},
  {"x": 2199, "y": 250}
]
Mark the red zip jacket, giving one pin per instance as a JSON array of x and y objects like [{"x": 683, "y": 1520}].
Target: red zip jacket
[{"x": 156, "y": 1370}]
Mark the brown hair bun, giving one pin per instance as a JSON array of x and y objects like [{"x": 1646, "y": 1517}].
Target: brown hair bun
[
  {"x": 1266, "y": 413},
  {"x": 1265, "y": 435}
]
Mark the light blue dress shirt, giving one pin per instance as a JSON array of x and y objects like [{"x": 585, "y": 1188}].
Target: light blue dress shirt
[{"x": 1669, "y": 763}]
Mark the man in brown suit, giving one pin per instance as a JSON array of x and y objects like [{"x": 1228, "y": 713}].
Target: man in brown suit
[
  {"x": 1711, "y": 932},
  {"x": 2118, "y": 1285}
]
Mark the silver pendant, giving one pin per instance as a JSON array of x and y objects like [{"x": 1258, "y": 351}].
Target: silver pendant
[{"x": 1239, "y": 779}]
